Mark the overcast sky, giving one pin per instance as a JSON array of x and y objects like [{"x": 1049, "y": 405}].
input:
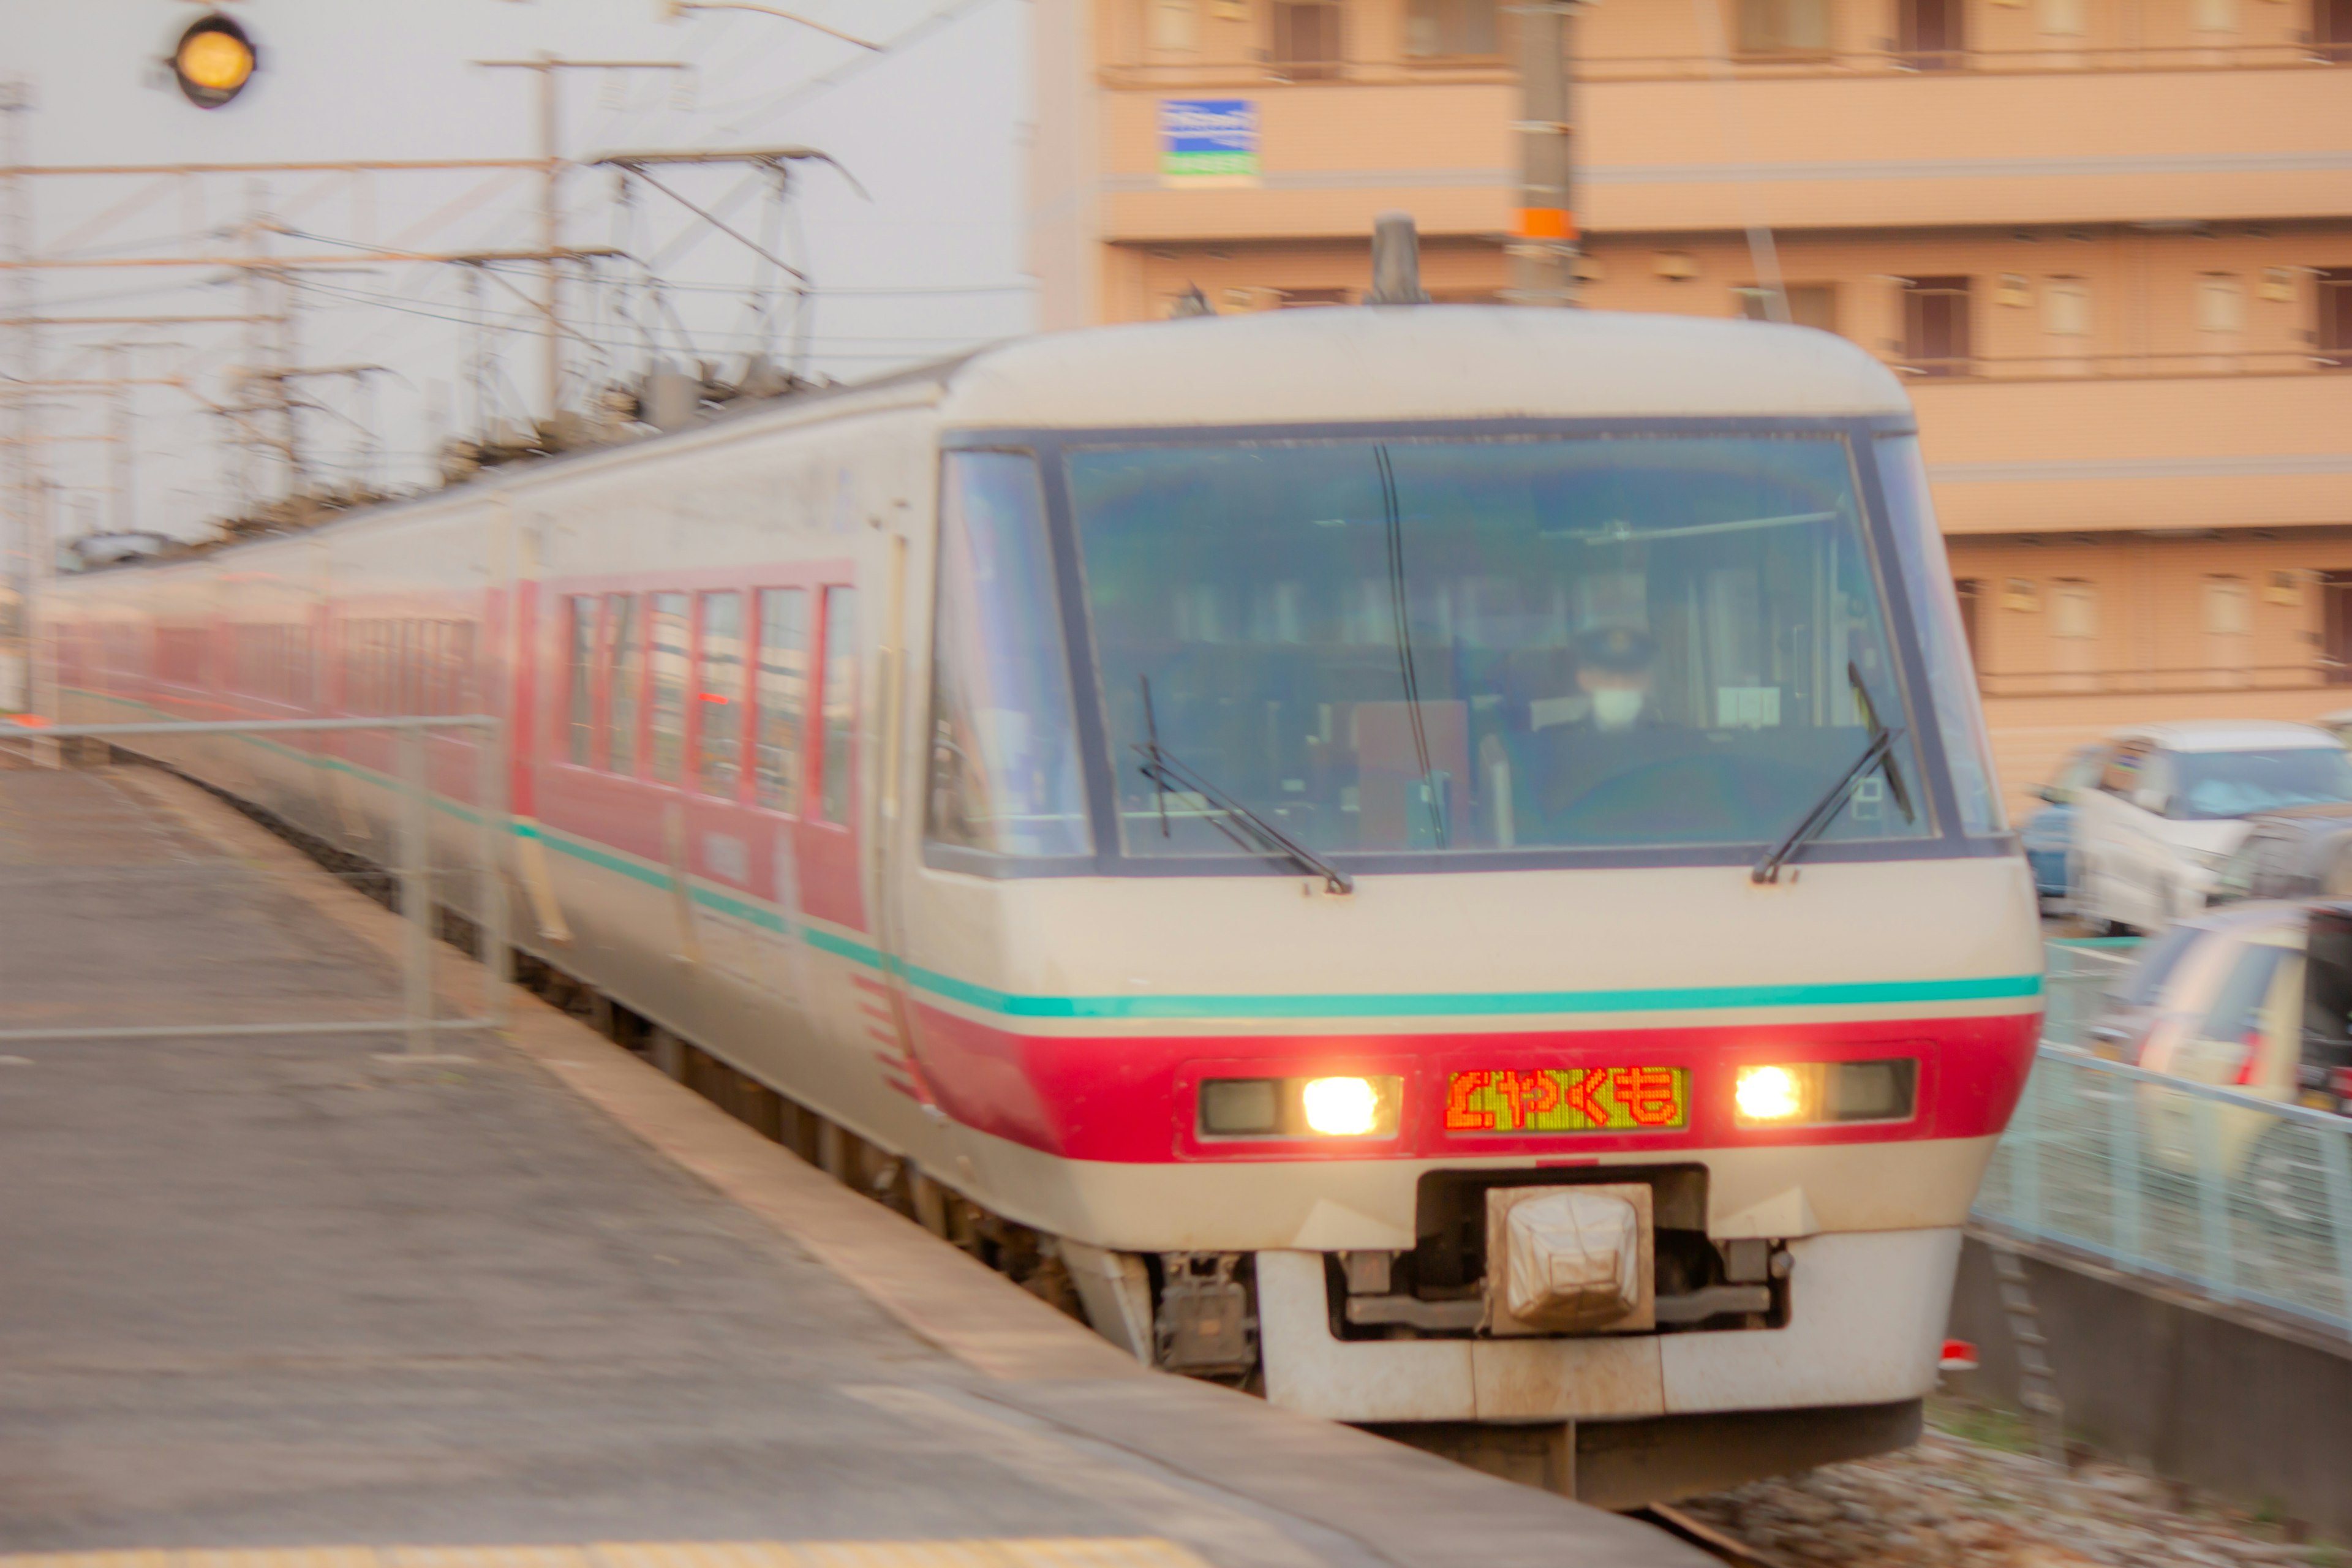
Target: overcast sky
[{"x": 931, "y": 263}]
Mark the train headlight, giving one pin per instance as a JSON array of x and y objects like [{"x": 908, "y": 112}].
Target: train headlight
[
  {"x": 1332, "y": 1107},
  {"x": 1341, "y": 1107},
  {"x": 1802, "y": 1094},
  {"x": 1769, "y": 1094}
]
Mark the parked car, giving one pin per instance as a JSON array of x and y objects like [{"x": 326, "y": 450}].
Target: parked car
[
  {"x": 2049, "y": 834},
  {"x": 2302, "y": 852},
  {"x": 2255, "y": 998},
  {"x": 2170, "y": 809}
]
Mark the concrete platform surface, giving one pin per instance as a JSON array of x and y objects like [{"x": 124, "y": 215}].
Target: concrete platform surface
[{"x": 280, "y": 1292}]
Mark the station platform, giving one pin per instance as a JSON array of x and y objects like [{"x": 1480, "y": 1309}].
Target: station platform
[{"x": 288, "y": 1300}]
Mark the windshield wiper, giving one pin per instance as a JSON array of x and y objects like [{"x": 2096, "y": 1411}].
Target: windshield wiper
[
  {"x": 1167, "y": 774},
  {"x": 1879, "y": 753}
]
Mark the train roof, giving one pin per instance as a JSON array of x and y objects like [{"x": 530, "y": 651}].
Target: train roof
[
  {"x": 1421, "y": 362},
  {"x": 1327, "y": 366}
]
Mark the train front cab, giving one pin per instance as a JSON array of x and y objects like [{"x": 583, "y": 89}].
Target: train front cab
[{"x": 1336, "y": 837}]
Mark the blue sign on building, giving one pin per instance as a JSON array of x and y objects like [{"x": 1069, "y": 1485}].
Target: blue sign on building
[{"x": 1208, "y": 141}]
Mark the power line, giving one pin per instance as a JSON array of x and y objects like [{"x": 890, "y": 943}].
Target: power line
[{"x": 791, "y": 98}]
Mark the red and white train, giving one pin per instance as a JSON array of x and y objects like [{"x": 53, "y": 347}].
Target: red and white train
[{"x": 1446, "y": 856}]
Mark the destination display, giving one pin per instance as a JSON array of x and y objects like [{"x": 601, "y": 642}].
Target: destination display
[{"x": 1568, "y": 1100}]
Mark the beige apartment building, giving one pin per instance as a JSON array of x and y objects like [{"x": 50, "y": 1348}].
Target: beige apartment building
[{"x": 2108, "y": 242}]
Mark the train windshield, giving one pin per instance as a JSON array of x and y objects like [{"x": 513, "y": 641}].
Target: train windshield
[{"x": 1471, "y": 645}]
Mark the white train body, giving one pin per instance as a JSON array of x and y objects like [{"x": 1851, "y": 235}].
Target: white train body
[{"x": 866, "y": 814}]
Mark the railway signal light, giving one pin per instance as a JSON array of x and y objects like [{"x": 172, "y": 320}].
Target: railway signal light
[{"x": 214, "y": 60}]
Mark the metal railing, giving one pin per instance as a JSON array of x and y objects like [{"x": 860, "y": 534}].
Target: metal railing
[
  {"x": 2190, "y": 364},
  {"x": 404, "y": 799},
  {"x": 2076, "y": 977},
  {"x": 1131, "y": 66},
  {"x": 2176, "y": 679},
  {"x": 2241, "y": 1198}
]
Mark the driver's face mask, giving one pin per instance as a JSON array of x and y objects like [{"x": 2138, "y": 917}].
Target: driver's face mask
[{"x": 1616, "y": 707}]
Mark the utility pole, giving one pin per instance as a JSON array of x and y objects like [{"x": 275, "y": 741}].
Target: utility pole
[
  {"x": 551, "y": 195},
  {"x": 1544, "y": 243},
  {"x": 20, "y": 675},
  {"x": 16, "y": 105}
]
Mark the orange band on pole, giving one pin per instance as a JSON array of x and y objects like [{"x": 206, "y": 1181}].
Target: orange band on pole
[{"x": 1547, "y": 222}]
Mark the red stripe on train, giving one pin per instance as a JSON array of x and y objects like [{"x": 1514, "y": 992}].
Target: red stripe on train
[{"x": 1130, "y": 1097}]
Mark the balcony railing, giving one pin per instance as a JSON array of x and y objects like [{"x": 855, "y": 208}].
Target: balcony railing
[
  {"x": 1200, "y": 70},
  {"x": 2122, "y": 366},
  {"x": 2183, "y": 679}
]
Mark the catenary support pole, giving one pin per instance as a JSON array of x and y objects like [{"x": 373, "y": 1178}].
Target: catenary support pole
[
  {"x": 490, "y": 905},
  {"x": 1543, "y": 247},
  {"x": 415, "y": 892}
]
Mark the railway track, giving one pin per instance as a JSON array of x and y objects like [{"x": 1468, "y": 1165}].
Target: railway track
[{"x": 1707, "y": 1538}]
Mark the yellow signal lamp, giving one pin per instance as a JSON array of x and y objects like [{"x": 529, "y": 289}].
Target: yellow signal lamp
[{"x": 214, "y": 61}]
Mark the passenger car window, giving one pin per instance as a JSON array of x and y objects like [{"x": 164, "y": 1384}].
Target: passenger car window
[
  {"x": 1004, "y": 748},
  {"x": 839, "y": 712},
  {"x": 621, "y": 686},
  {"x": 718, "y": 715},
  {"x": 782, "y": 697},
  {"x": 583, "y": 675},
  {"x": 666, "y": 639}
]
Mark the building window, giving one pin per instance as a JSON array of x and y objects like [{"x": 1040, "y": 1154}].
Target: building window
[
  {"x": 2067, "y": 308},
  {"x": 2334, "y": 334},
  {"x": 2229, "y": 630},
  {"x": 1436, "y": 27},
  {"x": 2331, "y": 31},
  {"x": 2074, "y": 634},
  {"x": 1307, "y": 37},
  {"x": 1302, "y": 298},
  {"x": 1784, "y": 27},
  {"x": 1174, "y": 25},
  {"x": 2336, "y": 627},
  {"x": 1810, "y": 304},
  {"x": 2062, "y": 18},
  {"x": 2213, "y": 15},
  {"x": 1934, "y": 37},
  {"x": 2220, "y": 304},
  {"x": 1936, "y": 326}
]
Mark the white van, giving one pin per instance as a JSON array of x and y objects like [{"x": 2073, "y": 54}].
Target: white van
[{"x": 2171, "y": 807}]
